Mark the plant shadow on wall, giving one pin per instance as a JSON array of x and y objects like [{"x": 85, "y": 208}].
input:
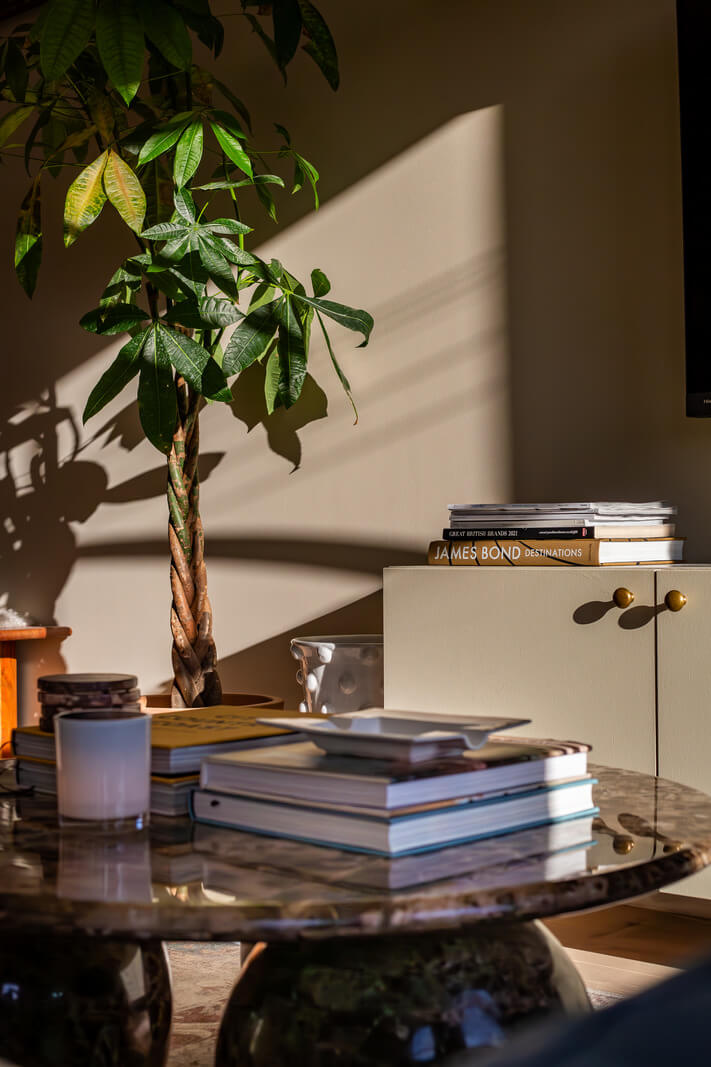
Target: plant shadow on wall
[{"x": 46, "y": 487}]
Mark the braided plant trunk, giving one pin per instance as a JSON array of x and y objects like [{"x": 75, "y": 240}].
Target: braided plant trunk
[{"x": 196, "y": 681}]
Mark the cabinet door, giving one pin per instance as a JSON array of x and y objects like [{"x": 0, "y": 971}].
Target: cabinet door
[
  {"x": 684, "y": 689},
  {"x": 538, "y": 642}
]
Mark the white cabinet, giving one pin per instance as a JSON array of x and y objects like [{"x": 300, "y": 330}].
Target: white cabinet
[{"x": 551, "y": 645}]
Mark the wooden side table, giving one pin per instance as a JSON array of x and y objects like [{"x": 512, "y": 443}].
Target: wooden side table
[{"x": 8, "y": 672}]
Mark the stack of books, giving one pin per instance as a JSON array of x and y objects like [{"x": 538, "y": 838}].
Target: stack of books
[
  {"x": 179, "y": 741},
  {"x": 394, "y": 809},
  {"x": 588, "y": 534}
]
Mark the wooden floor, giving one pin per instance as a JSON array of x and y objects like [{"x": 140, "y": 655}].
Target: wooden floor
[{"x": 625, "y": 949}]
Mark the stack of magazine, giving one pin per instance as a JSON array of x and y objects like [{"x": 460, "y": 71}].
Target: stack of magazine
[
  {"x": 329, "y": 790},
  {"x": 596, "y": 533}
]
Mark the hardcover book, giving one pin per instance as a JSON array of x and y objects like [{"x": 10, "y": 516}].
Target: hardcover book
[
  {"x": 390, "y": 833},
  {"x": 169, "y": 795},
  {"x": 180, "y": 739},
  {"x": 592, "y": 552},
  {"x": 301, "y": 772}
]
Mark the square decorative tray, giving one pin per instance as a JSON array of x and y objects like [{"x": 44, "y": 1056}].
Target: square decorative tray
[{"x": 409, "y": 736}]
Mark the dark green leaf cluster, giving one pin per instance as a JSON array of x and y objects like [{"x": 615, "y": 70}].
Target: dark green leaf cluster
[{"x": 119, "y": 75}]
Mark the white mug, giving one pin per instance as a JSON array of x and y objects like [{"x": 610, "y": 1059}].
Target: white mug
[{"x": 103, "y": 768}]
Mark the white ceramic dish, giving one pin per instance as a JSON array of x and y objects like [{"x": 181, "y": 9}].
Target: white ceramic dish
[{"x": 410, "y": 736}]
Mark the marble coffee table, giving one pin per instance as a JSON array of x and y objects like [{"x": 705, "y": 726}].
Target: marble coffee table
[{"x": 345, "y": 974}]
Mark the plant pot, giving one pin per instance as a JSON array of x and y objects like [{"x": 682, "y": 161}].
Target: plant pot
[{"x": 156, "y": 702}]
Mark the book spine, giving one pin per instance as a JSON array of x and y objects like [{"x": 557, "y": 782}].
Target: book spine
[
  {"x": 514, "y": 553},
  {"x": 516, "y": 533}
]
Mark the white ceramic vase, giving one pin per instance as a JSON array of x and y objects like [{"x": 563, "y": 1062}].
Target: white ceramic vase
[{"x": 339, "y": 673}]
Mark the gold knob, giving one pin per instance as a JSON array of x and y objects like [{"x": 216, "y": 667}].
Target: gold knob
[
  {"x": 675, "y": 600},
  {"x": 623, "y": 597}
]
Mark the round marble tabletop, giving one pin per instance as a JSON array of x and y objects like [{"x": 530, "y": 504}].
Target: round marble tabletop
[{"x": 180, "y": 880}]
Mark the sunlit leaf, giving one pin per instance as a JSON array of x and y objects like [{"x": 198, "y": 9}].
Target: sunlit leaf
[
  {"x": 319, "y": 283},
  {"x": 336, "y": 366},
  {"x": 188, "y": 154},
  {"x": 125, "y": 192},
  {"x": 193, "y": 362},
  {"x": 164, "y": 230},
  {"x": 119, "y": 38},
  {"x": 184, "y": 204},
  {"x": 352, "y": 318},
  {"x": 271, "y": 382},
  {"x": 217, "y": 267},
  {"x": 250, "y": 339},
  {"x": 125, "y": 367},
  {"x": 28, "y": 239},
  {"x": 85, "y": 199},
  {"x": 65, "y": 33},
  {"x": 232, "y": 148},
  {"x": 161, "y": 141}
]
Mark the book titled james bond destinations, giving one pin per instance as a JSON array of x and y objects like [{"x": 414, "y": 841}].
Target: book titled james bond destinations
[{"x": 590, "y": 552}]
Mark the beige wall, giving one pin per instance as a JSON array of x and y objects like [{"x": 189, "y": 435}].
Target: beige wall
[{"x": 501, "y": 187}]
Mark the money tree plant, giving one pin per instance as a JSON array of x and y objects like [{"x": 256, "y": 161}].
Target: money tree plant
[{"x": 107, "y": 91}]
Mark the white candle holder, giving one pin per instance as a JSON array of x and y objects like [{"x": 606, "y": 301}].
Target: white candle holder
[{"x": 103, "y": 769}]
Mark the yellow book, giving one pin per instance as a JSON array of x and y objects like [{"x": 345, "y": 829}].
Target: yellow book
[
  {"x": 180, "y": 739},
  {"x": 585, "y": 552}
]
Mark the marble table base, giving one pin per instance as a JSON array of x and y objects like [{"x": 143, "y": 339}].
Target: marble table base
[
  {"x": 381, "y": 1002},
  {"x": 76, "y": 1001}
]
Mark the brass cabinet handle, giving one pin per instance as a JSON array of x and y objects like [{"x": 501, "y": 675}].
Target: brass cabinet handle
[
  {"x": 675, "y": 600},
  {"x": 623, "y": 597}
]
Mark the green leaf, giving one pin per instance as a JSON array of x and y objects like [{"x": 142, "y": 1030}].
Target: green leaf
[
  {"x": 319, "y": 283},
  {"x": 231, "y": 252},
  {"x": 267, "y": 201},
  {"x": 164, "y": 230},
  {"x": 257, "y": 179},
  {"x": 188, "y": 154},
  {"x": 292, "y": 353},
  {"x": 286, "y": 17},
  {"x": 214, "y": 383},
  {"x": 262, "y": 295},
  {"x": 167, "y": 30},
  {"x": 352, "y": 318},
  {"x": 303, "y": 167},
  {"x": 250, "y": 339},
  {"x": 229, "y": 123},
  {"x": 125, "y": 192},
  {"x": 271, "y": 382},
  {"x": 232, "y": 148},
  {"x": 218, "y": 312},
  {"x": 161, "y": 141},
  {"x": 119, "y": 38},
  {"x": 114, "y": 318},
  {"x": 187, "y": 356},
  {"x": 125, "y": 367},
  {"x": 126, "y": 280},
  {"x": 228, "y": 226},
  {"x": 16, "y": 70},
  {"x": 283, "y": 131},
  {"x": 193, "y": 362},
  {"x": 217, "y": 267},
  {"x": 28, "y": 239},
  {"x": 321, "y": 46},
  {"x": 65, "y": 33},
  {"x": 184, "y": 204},
  {"x": 341, "y": 376},
  {"x": 12, "y": 120},
  {"x": 85, "y": 199},
  {"x": 157, "y": 404}
]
